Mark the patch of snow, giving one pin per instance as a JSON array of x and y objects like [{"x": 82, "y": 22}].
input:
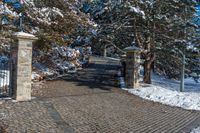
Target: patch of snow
[
  {"x": 4, "y": 73},
  {"x": 4, "y": 78},
  {"x": 190, "y": 84},
  {"x": 115, "y": 59},
  {"x": 23, "y": 34},
  {"x": 137, "y": 11},
  {"x": 34, "y": 75},
  {"x": 5, "y": 98},
  {"x": 180, "y": 41},
  {"x": 166, "y": 91},
  {"x": 14, "y": 101},
  {"x": 58, "y": 61},
  {"x": 34, "y": 30},
  {"x": 196, "y": 130},
  {"x": 186, "y": 100},
  {"x": 57, "y": 11},
  {"x": 43, "y": 14}
]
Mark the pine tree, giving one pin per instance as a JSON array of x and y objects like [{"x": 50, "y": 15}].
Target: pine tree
[
  {"x": 57, "y": 21},
  {"x": 156, "y": 26}
]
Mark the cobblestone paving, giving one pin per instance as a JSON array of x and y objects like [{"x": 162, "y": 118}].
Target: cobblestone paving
[
  {"x": 117, "y": 112},
  {"x": 91, "y": 102},
  {"x": 28, "y": 117}
]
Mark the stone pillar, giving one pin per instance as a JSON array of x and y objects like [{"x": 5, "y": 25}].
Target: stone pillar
[
  {"x": 132, "y": 67},
  {"x": 22, "y": 65}
]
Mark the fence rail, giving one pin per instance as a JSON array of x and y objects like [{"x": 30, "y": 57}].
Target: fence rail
[{"x": 5, "y": 74}]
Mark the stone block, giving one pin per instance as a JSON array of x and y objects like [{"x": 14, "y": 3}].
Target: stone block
[
  {"x": 132, "y": 78},
  {"x": 22, "y": 61}
]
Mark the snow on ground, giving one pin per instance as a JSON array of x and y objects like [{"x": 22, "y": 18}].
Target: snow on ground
[
  {"x": 196, "y": 130},
  {"x": 23, "y": 34},
  {"x": 4, "y": 71},
  {"x": 166, "y": 91},
  {"x": 4, "y": 78},
  {"x": 59, "y": 61},
  {"x": 190, "y": 84}
]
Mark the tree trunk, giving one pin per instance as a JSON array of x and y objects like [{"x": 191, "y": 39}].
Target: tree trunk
[
  {"x": 149, "y": 59},
  {"x": 147, "y": 72}
]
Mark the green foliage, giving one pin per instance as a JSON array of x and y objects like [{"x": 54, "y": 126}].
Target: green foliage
[
  {"x": 43, "y": 43},
  {"x": 159, "y": 27},
  {"x": 156, "y": 26}
]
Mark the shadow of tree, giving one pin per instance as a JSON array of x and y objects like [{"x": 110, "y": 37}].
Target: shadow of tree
[{"x": 99, "y": 76}]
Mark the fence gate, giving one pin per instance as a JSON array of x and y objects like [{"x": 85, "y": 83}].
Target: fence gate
[{"x": 5, "y": 75}]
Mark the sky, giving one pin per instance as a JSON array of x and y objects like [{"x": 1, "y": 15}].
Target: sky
[
  {"x": 198, "y": 8},
  {"x": 198, "y": 12}
]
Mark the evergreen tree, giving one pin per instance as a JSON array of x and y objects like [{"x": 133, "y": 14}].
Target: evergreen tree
[
  {"x": 54, "y": 21},
  {"x": 159, "y": 27}
]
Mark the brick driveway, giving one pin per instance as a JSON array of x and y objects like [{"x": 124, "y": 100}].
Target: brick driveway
[{"x": 91, "y": 102}]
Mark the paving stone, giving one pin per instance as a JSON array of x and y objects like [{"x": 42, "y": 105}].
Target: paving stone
[{"x": 91, "y": 102}]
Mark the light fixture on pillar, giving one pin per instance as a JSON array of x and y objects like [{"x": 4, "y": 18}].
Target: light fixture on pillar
[{"x": 21, "y": 22}]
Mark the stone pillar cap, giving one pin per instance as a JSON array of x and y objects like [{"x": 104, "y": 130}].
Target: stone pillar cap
[
  {"x": 23, "y": 35},
  {"x": 132, "y": 49}
]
